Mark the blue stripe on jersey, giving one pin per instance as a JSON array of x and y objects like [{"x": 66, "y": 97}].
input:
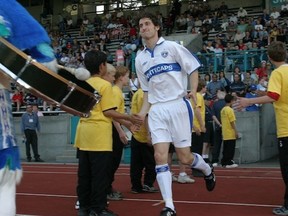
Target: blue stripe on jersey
[
  {"x": 162, "y": 168},
  {"x": 162, "y": 68},
  {"x": 189, "y": 111}
]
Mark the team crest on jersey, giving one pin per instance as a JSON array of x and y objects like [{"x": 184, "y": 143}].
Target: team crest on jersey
[{"x": 164, "y": 54}]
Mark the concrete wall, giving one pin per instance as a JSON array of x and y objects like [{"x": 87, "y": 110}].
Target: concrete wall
[
  {"x": 193, "y": 42},
  {"x": 268, "y": 138},
  {"x": 54, "y": 138},
  {"x": 258, "y": 140},
  {"x": 247, "y": 124}
]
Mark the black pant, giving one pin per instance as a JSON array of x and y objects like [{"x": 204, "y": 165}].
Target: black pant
[
  {"x": 116, "y": 158},
  {"x": 93, "y": 179},
  {"x": 31, "y": 139},
  {"x": 228, "y": 152},
  {"x": 283, "y": 159},
  {"x": 142, "y": 156},
  {"x": 197, "y": 143},
  {"x": 217, "y": 145}
]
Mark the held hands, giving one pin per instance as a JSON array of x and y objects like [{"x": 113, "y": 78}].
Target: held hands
[{"x": 137, "y": 119}]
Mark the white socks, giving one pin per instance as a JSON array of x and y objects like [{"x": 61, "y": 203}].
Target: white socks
[
  {"x": 164, "y": 180},
  {"x": 200, "y": 164}
]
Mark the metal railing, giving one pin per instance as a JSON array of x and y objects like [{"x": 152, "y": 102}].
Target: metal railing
[{"x": 246, "y": 60}]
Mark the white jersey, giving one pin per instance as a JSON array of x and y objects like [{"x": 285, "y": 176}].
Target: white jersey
[{"x": 163, "y": 71}]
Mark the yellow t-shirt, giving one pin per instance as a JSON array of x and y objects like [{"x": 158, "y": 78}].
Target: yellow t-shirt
[
  {"x": 119, "y": 99},
  {"x": 136, "y": 105},
  {"x": 278, "y": 83},
  {"x": 95, "y": 133},
  {"x": 201, "y": 105},
  {"x": 227, "y": 117}
]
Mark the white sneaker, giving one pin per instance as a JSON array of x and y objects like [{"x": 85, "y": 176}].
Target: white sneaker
[
  {"x": 185, "y": 179},
  {"x": 215, "y": 164},
  {"x": 77, "y": 205},
  {"x": 231, "y": 166}
]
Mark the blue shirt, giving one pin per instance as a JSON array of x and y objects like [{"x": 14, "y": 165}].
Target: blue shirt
[{"x": 30, "y": 121}]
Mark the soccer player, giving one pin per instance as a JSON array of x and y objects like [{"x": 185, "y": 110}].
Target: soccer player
[{"x": 162, "y": 69}]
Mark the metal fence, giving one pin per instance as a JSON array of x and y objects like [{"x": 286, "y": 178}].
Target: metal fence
[{"x": 226, "y": 61}]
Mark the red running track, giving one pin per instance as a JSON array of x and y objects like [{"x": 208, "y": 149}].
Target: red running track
[{"x": 49, "y": 190}]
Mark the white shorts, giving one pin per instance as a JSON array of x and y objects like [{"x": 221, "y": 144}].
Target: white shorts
[{"x": 171, "y": 122}]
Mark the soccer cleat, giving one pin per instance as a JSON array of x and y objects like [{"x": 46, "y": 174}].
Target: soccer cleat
[
  {"x": 149, "y": 189},
  {"x": 185, "y": 179},
  {"x": 210, "y": 180},
  {"x": 280, "y": 211},
  {"x": 167, "y": 212}
]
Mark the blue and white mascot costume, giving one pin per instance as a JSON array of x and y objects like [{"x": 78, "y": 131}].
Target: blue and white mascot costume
[{"x": 24, "y": 32}]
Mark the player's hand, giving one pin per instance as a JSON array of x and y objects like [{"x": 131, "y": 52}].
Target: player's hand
[
  {"x": 133, "y": 128},
  {"x": 241, "y": 103},
  {"x": 123, "y": 138},
  {"x": 137, "y": 119},
  {"x": 203, "y": 129},
  {"x": 197, "y": 131}
]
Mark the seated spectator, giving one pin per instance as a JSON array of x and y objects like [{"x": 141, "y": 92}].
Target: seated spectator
[
  {"x": 207, "y": 22},
  {"x": 205, "y": 34},
  {"x": 224, "y": 81},
  {"x": 261, "y": 71},
  {"x": 242, "y": 13},
  {"x": 190, "y": 25},
  {"x": 198, "y": 23},
  {"x": 233, "y": 18},
  {"x": 248, "y": 80},
  {"x": 225, "y": 22},
  {"x": 252, "y": 94},
  {"x": 275, "y": 14},
  {"x": 237, "y": 71},
  {"x": 231, "y": 30},
  {"x": 30, "y": 99},
  {"x": 242, "y": 26},
  {"x": 265, "y": 17},
  {"x": 239, "y": 36},
  {"x": 181, "y": 22},
  {"x": 273, "y": 34},
  {"x": 263, "y": 84},
  {"x": 17, "y": 99},
  {"x": 237, "y": 86},
  {"x": 213, "y": 87}
]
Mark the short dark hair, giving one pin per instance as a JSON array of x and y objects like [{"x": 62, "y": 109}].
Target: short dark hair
[
  {"x": 277, "y": 51},
  {"x": 152, "y": 17},
  {"x": 93, "y": 59},
  {"x": 228, "y": 98}
]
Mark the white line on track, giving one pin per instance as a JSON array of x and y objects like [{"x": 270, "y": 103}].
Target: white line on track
[{"x": 157, "y": 201}]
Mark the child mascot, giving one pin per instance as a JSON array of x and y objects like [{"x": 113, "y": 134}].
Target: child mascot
[{"x": 19, "y": 28}]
